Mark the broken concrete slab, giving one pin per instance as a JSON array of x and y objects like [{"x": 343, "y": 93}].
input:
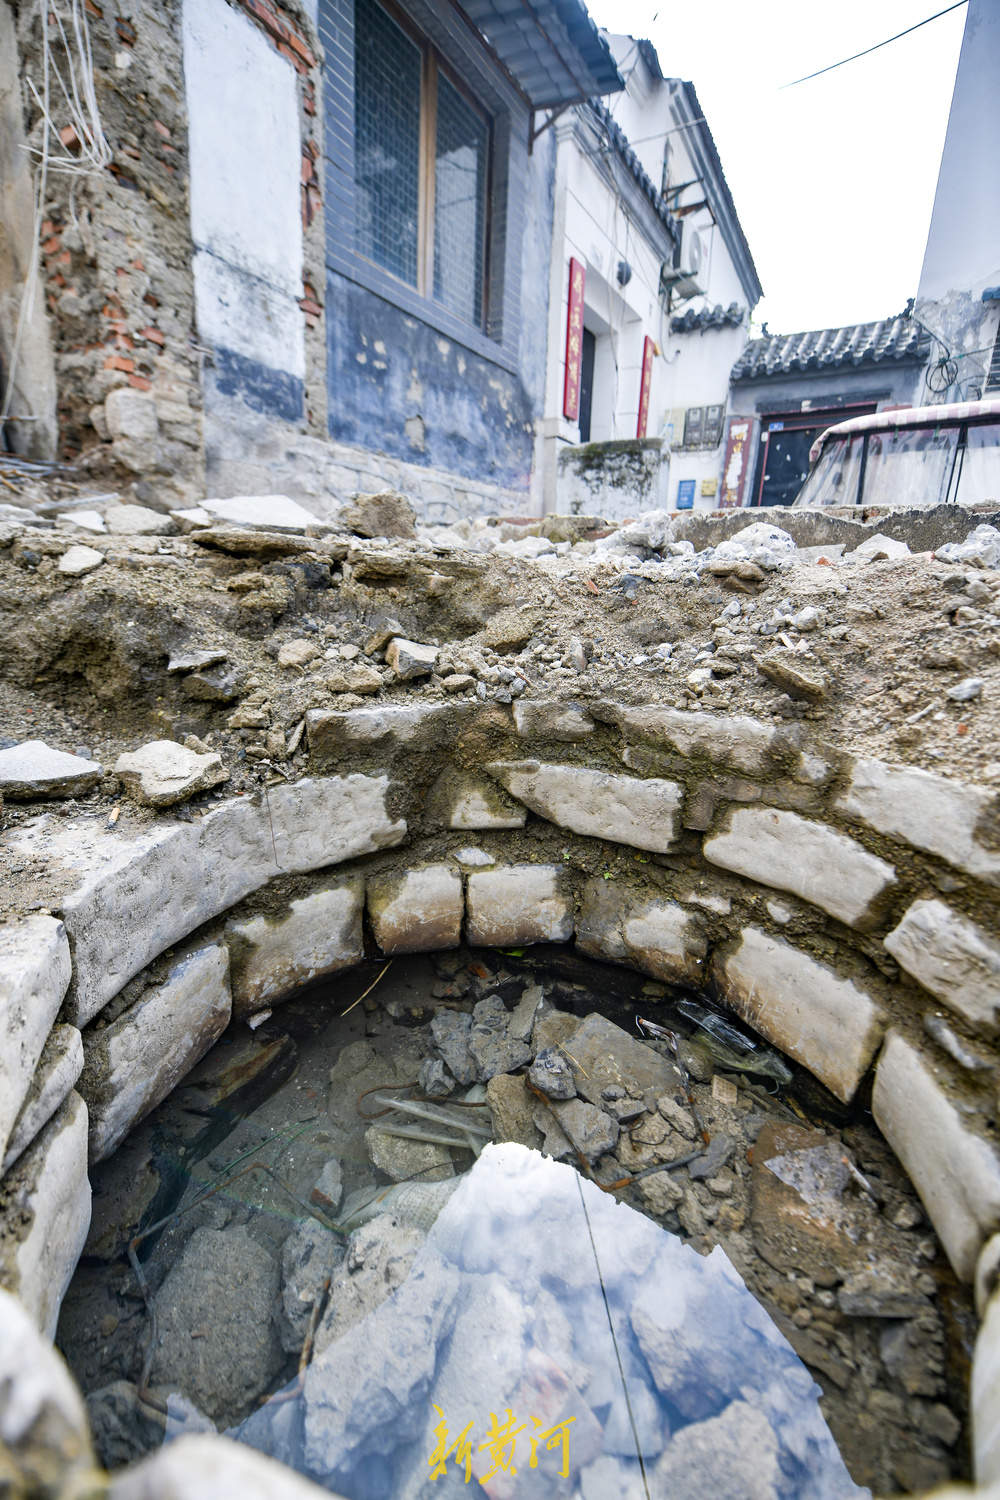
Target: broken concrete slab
[
  {"x": 34, "y": 769},
  {"x": 137, "y": 520},
  {"x": 261, "y": 512},
  {"x": 603, "y": 1056},
  {"x": 163, "y": 773}
]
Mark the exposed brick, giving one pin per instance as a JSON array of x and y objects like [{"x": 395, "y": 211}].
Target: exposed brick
[
  {"x": 118, "y": 362},
  {"x": 140, "y": 382},
  {"x": 152, "y": 336}
]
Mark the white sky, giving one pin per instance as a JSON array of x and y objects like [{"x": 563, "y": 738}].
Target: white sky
[{"x": 834, "y": 179}]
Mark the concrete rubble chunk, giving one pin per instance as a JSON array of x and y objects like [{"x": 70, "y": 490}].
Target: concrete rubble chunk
[
  {"x": 297, "y": 653},
  {"x": 519, "y": 904},
  {"x": 384, "y": 514},
  {"x": 44, "y": 1434},
  {"x": 194, "y": 661},
  {"x": 828, "y": 1024},
  {"x": 47, "y": 1215},
  {"x": 733, "y": 1454},
  {"x": 403, "y": 1159},
  {"x": 59, "y": 1067},
  {"x": 128, "y": 900},
  {"x": 261, "y": 512},
  {"x": 807, "y": 858},
  {"x": 134, "y": 1063},
  {"x": 492, "y": 1046},
  {"x": 163, "y": 773},
  {"x": 206, "y": 1468},
  {"x": 953, "y": 958},
  {"x": 78, "y": 561},
  {"x": 137, "y": 520},
  {"x": 955, "y": 1170},
  {"x": 933, "y": 813},
  {"x": 410, "y": 659},
  {"x": 603, "y": 1055},
  {"x": 878, "y": 548},
  {"x": 272, "y": 955},
  {"x": 642, "y": 813},
  {"x": 35, "y": 970},
  {"x": 418, "y": 911},
  {"x": 226, "y": 1284},
  {"x": 34, "y": 769},
  {"x": 588, "y": 1129},
  {"x": 86, "y": 520}
]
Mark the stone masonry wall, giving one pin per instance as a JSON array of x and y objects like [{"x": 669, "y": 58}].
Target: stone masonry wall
[{"x": 844, "y": 907}]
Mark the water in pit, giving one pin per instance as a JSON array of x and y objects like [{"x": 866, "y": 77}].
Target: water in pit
[{"x": 390, "y": 1314}]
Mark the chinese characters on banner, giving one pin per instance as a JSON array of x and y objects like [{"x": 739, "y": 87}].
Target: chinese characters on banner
[
  {"x": 734, "y": 470},
  {"x": 644, "y": 385},
  {"x": 500, "y": 1443},
  {"x": 574, "y": 342}
]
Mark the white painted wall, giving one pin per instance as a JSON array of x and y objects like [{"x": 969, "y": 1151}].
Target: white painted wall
[
  {"x": 591, "y": 224},
  {"x": 245, "y": 174}
]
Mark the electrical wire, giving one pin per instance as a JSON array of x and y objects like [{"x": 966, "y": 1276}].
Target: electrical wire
[{"x": 855, "y": 55}]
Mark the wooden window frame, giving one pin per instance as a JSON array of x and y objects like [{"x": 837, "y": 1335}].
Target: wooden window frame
[{"x": 432, "y": 65}]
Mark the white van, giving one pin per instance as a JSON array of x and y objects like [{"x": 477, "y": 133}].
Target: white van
[{"x": 911, "y": 458}]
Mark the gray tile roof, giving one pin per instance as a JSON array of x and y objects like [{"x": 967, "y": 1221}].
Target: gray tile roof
[
  {"x": 896, "y": 339},
  {"x": 552, "y": 48},
  {"x": 708, "y": 317}
]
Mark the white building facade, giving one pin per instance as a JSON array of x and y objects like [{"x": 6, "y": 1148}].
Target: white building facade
[{"x": 651, "y": 289}]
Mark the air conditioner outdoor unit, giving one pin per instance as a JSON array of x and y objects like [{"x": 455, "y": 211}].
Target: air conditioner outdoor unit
[{"x": 685, "y": 279}]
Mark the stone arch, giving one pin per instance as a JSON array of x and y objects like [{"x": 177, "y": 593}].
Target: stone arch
[{"x": 807, "y": 886}]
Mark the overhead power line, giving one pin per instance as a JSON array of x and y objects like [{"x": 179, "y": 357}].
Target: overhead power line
[{"x": 854, "y": 56}]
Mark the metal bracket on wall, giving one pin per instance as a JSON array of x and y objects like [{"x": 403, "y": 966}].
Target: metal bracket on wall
[{"x": 550, "y": 119}]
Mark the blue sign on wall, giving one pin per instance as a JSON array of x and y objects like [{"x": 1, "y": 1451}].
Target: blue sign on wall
[{"x": 685, "y": 494}]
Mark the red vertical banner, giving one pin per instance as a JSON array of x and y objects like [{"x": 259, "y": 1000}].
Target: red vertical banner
[
  {"x": 574, "y": 341},
  {"x": 644, "y": 385}
]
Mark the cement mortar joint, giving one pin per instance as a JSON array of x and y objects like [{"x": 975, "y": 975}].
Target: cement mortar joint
[{"x": 968, "y": 1215}]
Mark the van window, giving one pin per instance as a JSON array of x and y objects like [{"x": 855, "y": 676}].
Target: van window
[
  {"x": 910, "y": 466},
  {"x": 980, "y": 477},
  {"x": 834, "y": 480}
]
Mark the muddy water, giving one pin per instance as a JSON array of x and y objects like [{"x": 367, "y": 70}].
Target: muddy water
[{"x": 729, "y": 1321}]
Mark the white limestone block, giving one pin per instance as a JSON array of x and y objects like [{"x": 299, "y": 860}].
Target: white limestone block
[
  {"x": 955, "y": 1171},
  {"x": 621, "y": 923},
  {"x": 272, "y": 955},
  {"x": 796, "y": 854},
  {"x": 130, "y": 899},
  {"x": 467, "y": 802},
  {"x": 34, "y": 769},
  {"x": 207, "y": 1468},
  {"x": 47, "y": 1214},
  {"x": 59, "y": 1067},
  {"x": 418, "y": 911},
  {"x": 34, "y": 972},
  {"x": 642, "y": 813},
  {"x": 161, "y": 773},
  {"x": 261, "y": 512},
  {"x": 828, "y": 1024},
  {"x": 135, "y": 1062},
  {"x": 950, "y": 956},
  {"x": 519, "y": 904},
  {"x": 930, "y": 812},
  {"x": 551, "y": 719},
  {"x": 730, "y": 739},
  {"x": 43, "y": 1418}
]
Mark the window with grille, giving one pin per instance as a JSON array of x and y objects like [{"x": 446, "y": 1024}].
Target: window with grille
[{"x": 422, "y": 156}]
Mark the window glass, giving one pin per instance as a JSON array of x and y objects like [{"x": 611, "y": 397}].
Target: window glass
[
  {"x": 460, "y": 160},
  {"x": 834, "y": 479},
  {"x": 387, "y": 141},
  {"x": 910, "y": 466},
  {"x": 980, "y": 478}
]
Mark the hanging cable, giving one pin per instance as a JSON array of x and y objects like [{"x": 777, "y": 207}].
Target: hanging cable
[{"x": 855, "y": 55}]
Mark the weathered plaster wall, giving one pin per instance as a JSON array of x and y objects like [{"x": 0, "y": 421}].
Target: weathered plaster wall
[
  {"x": 33, "y": 399},
  {"x": 245, "y": 221}
]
